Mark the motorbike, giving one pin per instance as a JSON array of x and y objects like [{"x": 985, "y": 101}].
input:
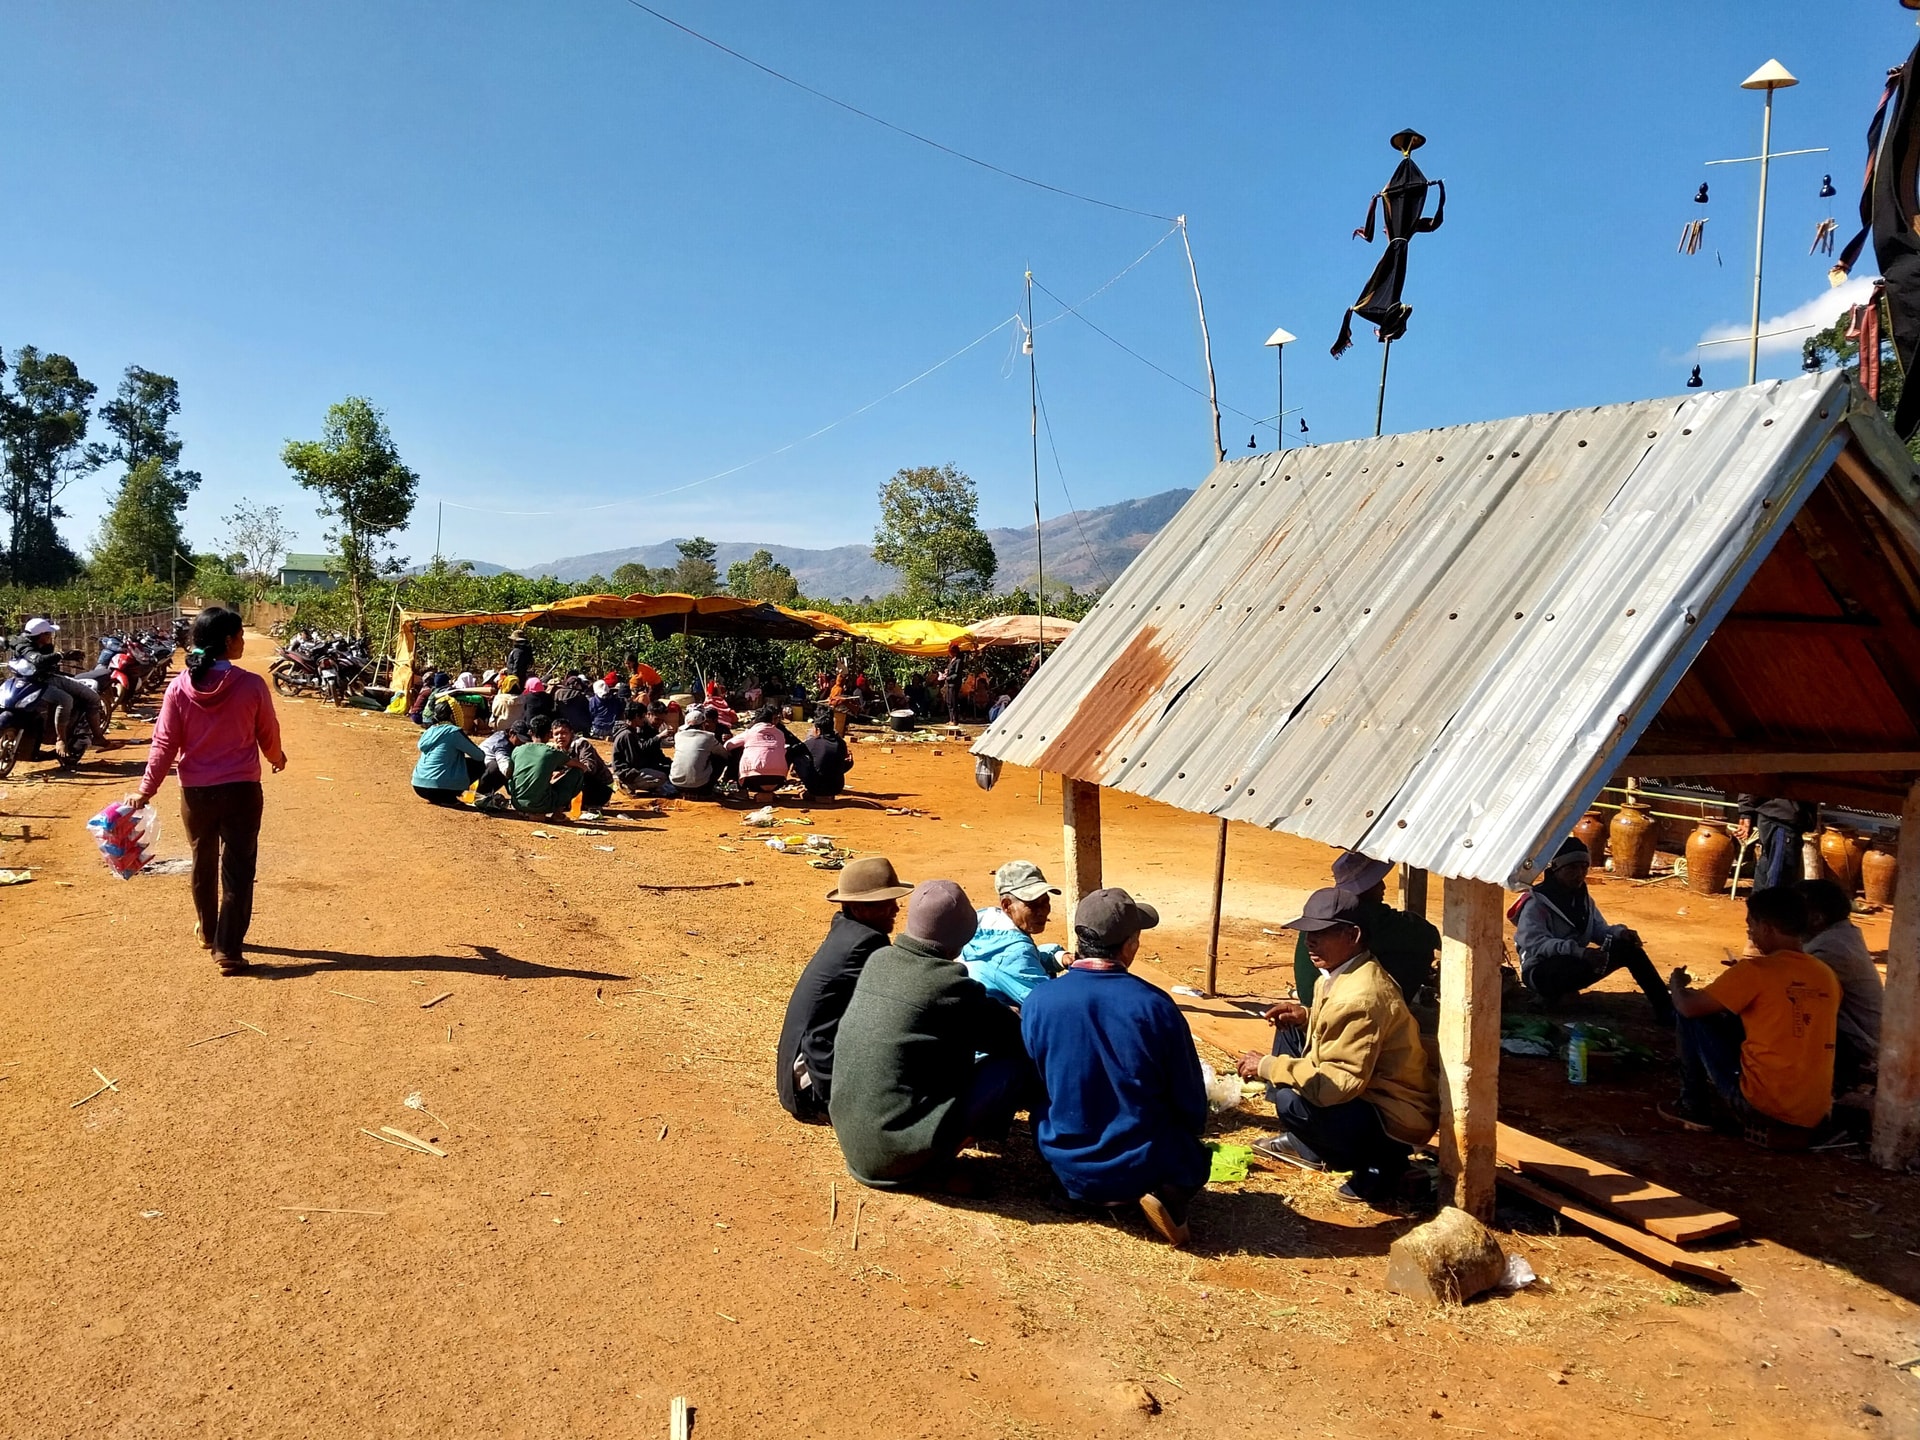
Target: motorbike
[
  {"x": 21, "y": 724},
  {"x": 332, "y": 669}
]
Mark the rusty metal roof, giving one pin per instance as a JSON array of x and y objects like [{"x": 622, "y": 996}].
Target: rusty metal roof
[{"x": 1436, "y": 647}]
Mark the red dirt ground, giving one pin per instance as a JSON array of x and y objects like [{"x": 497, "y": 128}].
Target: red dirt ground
[{"x": 625, "y": 1214}]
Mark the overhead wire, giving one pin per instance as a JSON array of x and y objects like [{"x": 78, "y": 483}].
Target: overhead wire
[
  {"x": 884, "y": 123},
  {"x": 1072, "y": 509}
]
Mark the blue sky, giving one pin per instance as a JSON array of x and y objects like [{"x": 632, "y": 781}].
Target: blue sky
[{"x": 580, "y": 258}]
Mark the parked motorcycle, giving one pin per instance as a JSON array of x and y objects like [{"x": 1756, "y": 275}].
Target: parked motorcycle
[{"x": 21, "y": 724}]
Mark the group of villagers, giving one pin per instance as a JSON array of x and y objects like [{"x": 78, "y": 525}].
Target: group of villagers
[{"x": 922, "y": 1026}]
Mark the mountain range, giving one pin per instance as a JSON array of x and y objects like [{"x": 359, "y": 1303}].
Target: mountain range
[{"x": 1085, "y": 548}]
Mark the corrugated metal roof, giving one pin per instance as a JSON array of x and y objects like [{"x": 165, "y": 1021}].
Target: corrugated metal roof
[{"x": 1431, "y": 647}]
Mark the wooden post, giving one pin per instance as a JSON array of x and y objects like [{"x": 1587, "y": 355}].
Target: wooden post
[
  {"x": 1896, "y": 1103},
  {"x": 1470, "y": 955},
  {"x": 1413, "y": 890},
  {"x": 1213, "y": 927},
  {"x": 1080, "y": 826}
]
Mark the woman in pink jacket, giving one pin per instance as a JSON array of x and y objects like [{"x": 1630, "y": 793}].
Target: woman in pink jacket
[{"x": 217, "y": 720}]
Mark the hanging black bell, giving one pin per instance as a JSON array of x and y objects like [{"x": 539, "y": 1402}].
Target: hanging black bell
[
  {"x": 1303, "y": 427},
  {"x": 1694, "y": 382},
  {"x": 1700, "y": 195},
  {"x": 1827, "y": 192},
  {"x": 1253, "y": 442}
]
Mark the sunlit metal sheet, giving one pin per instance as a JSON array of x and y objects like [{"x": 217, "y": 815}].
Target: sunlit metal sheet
[{"x": 1431, "y": 647}]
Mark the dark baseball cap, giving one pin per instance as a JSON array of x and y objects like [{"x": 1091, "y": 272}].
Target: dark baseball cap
[
  {"x": 1109, "y": 918},
  {"x": 1327, "y": 908}
]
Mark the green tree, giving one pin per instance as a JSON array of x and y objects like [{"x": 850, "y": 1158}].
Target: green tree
[
  {"x": 363, "y": 487},
  {"x": 761, "y": 577},
  {"x": 142, "y": 532},
  {"x": 1832, "y": 346},
  {"x": 43, "y": 430},
  {"x": 255, "y": 541},
  {"x": 929, "y": 532},
  {"x": 694, "y": 573},
  {"x": 632, "y": 579}
]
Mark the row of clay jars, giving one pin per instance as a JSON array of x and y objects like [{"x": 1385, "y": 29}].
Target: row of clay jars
[{"x": 1846, "y": 859}]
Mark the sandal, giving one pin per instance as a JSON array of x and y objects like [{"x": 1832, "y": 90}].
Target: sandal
[{"x": 200, "y": 937}]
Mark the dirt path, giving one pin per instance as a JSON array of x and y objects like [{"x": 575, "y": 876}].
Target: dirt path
[{"x": 624, "y": 1214}]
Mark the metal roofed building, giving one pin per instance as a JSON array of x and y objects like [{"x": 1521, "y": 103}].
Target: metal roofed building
[{"x": 1436, "y": 648}]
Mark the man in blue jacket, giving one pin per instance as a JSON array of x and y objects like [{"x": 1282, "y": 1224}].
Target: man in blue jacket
[
  {"x": 1002, "y": 955},
  {"x": 1125, "y": 1103}
]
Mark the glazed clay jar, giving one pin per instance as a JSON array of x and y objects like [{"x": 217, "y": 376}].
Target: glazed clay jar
[
  {"x": 1835, "y": 863},
  {"x": 1877, "y": 869},
  {"x": 1710, "y": 851},
  {"x": 1630, "y": 841},
  {"x": 1592, "y": 832}
]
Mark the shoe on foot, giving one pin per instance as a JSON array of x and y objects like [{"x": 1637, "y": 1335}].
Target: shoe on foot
[
  {"x": 1174, "y": 1232},
  {"x": 200, "y": 937},
  {"x": 1687, "y": 1117},
  {"x": 1282, "y": 1147},
  {"x": 231, "y": 964}
]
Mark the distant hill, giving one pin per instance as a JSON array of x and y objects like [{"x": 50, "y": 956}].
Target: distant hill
[{"x": 1085, "y": 548}]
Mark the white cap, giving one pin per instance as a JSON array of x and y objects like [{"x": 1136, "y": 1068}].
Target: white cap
[{"x": 40, "y": 625}]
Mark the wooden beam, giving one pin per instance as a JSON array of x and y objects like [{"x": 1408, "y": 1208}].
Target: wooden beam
[
  {"x": 1413, "y": 890},
  {"x": 1786, "y": 622},
  {"x": 1648, "y": 1247},
  {"x": 1769, "y": 763},
  {"x": 1896, "y": 1103},
  {"x": 1654, "y": 1208},
  {"x": 1080, "y": 827},
  {"x": 1893, "y": 508},
  {"x": 1470, "y": 955},
  {"x": 1213, "y": 926}
]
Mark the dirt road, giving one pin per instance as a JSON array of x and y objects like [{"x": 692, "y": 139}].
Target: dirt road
[{"x": 624, "y": 1214}]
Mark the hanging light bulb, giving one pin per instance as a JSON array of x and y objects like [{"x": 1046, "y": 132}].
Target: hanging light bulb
[
  {"x": 1694, "y": 382},
  {"x": 1700, "y": 195},
  {"x": 1827, "y": 192}
]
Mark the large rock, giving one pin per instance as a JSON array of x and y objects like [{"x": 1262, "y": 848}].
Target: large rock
[{"x": 1450, "y": 1259}]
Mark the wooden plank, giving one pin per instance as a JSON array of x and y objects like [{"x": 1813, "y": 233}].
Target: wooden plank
[
  {"x": 1896, "y": 1101},
  {"x": 1648, "y": 1247},
  {"x": 1654, "y": 1208},
  {"x": 1470, "y": 956},
  {"x": 1080, "y": 833},
  {"x": 1769, "y": 763}
]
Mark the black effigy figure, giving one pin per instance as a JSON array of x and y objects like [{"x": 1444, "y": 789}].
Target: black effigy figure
[
  {"x": 1890, "y": 210},
  {"x": 1400, "y": 204}
]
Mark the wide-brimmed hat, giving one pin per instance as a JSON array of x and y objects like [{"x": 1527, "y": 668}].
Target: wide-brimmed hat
[
  {"x": 1359, "y": 873},
  {"x": 866, "y": 881}
]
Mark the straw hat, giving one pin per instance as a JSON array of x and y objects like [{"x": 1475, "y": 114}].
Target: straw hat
[{"x": 866, "y": 881}]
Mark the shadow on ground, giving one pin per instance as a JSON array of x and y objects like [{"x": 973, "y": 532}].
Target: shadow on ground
[{"x": 485, "y": 960}]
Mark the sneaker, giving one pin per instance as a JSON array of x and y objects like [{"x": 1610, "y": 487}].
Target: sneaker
[
  {"x": 1686, "y": 1116},
  {"x": 1174, "y": 1232},
  {"x": 1282, "y": 1148},
  {"x": 589, "y": 817}
]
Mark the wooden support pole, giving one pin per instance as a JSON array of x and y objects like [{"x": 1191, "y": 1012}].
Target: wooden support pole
[
  {"x": 1896, "y": 1102},
  {"x": 1080, "y": 826},
  {"x": 1470, "y": 954},
  {"x": 1413, "y": 890},
  {"x": 1213, "y": 924}
]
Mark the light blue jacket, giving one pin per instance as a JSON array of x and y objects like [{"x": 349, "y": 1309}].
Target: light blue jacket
[
  {"x": 443, "y": 748},
  {"x": 1005, "y": 960}
]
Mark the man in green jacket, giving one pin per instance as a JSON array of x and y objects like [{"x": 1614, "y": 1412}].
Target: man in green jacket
[
  {"x": 925, "y": 1060},
  {"x": 1403, "y": 943},
  {"x": 544, "y": 779}
]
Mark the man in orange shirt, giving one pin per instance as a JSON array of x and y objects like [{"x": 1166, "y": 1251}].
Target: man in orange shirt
[{"x": 1759, "y": 1040}]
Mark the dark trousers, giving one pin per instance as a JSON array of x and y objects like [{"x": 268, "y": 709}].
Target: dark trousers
[
  {"x": 1779, "y": 854},
  {"x": 1345, "y": 1137},
  {"x": 494, "y": 779},
  {"x": 223, "y": 826},
  {"x": 476, "y": 769},
  {"x": 1558, "y": 976},
  {"x": 1710, "y": 1064}
]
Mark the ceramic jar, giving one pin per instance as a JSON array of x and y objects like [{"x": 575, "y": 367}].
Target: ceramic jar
[
  {"x": 1710, "y": 852},
  {"x": 1592, "y": 832},
  {"x": 1835, "y": 863},
  {"x": 1877, "y": 869},
  {"x": 1630, "y": 841}
]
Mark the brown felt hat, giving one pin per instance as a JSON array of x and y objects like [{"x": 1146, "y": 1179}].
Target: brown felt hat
[{"x": 865, "y": 881}]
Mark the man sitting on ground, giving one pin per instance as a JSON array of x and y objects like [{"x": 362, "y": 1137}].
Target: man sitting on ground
[
  {"x": 1757, "y": 1044},
  {"x": 1565, "y": 943},
  {"x": 1002, "y": 954},
  {"x": 1836, "y": 942},
  {"x": 1124, "y": 1103},
  {"x": 640, "y": 763},
  {"x": 869, "y": 899},
  {"x": 1403, "y": 943},
  {"x": 925, "y": 1060},
  {"x": 596, "y": 780},
  {"x": 822, "y": 760},
  {"x": 1348, "y": 1077},
  {"x": 698, "y": 759},
  {"x": 544, "y": 779}
]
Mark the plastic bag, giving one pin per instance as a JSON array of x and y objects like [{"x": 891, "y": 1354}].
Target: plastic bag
[{"x": 127, "y": 837}]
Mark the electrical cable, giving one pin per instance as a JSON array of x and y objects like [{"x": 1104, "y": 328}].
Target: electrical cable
[
  {"x": 1106, "y": 580},
  {"x": 888, "y": 124}
]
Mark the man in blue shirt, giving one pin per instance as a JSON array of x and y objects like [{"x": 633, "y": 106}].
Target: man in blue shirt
[
  {"x": 1003, "y": 955},
  {"x": 1125, "y": 1103}
]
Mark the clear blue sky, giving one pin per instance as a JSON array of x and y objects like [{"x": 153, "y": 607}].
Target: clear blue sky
[{"x": 578, "y": 257}]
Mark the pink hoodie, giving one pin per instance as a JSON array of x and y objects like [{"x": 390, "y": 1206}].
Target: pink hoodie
[{"x": 218, "y": 734}]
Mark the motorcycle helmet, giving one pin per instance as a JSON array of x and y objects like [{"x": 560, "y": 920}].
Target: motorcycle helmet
[{"x": 40, "y": 625}]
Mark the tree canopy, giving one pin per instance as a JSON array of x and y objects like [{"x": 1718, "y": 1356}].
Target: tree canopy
[
  {"x": 363, "y": 487},
  {"x": 44, "y": 415},
  {"x": 928, "y": 531},
  {"x": 761, "y": 577},
  {"x": 141, "y": 534}
]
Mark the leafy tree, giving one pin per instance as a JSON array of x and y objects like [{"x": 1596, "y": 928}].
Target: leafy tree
[
  {"x": 43, "y": 430},
  {"x": 141, "y": 532},
  {"x": 929, "y": 532},
  {"x": 1832, "y": 346},
  {"x": 255, "y": 541},
  {"x": 761, "y": 577},
  {"x": 694, "y": 573},
  {"x": 631, "y": 579},
  {"x": 364, "y": 488}
]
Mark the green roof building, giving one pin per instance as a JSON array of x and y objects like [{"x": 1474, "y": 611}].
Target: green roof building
[{"x": 321, "y": 571}]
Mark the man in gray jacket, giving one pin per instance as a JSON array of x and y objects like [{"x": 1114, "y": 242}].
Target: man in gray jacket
[{"x": 1565, "y": 944}]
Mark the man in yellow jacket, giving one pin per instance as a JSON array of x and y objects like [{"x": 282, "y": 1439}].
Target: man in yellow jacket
[{"x": 1349, "y": 1077}]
